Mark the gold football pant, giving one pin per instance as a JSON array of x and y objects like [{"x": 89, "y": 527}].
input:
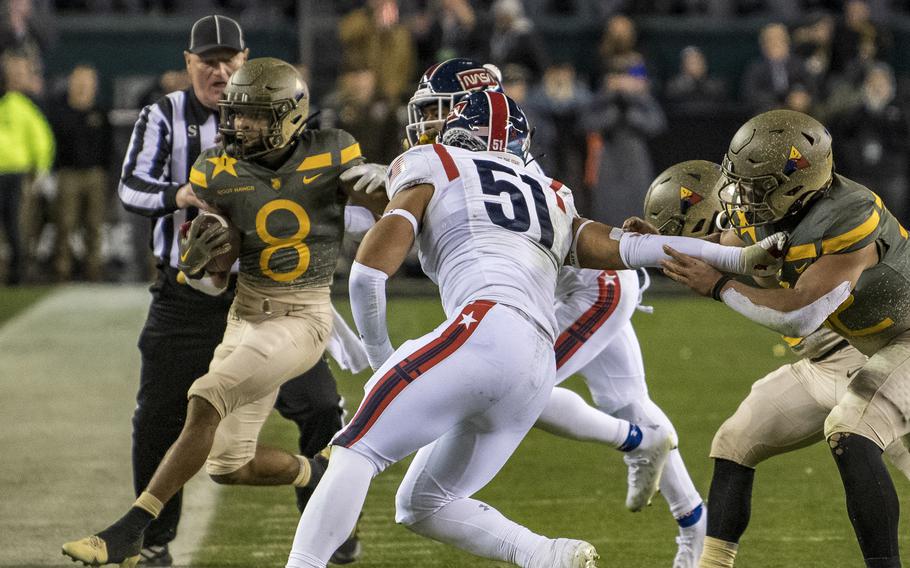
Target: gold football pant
[
  {"x": 260, "y": 351},
  {"x": 786, "y": 410},
  {"x": 877, "y": 402}
]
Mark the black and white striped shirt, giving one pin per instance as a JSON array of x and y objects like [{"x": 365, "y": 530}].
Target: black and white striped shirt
[{"x": 167, "y": 138}]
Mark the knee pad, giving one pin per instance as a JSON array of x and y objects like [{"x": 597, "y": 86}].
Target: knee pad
[
  {"x": 732, "y": 442},
  {"x": 855, "y": 415}
]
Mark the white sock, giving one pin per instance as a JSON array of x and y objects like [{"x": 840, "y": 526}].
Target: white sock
[
  {"x": 333, "y": 509},
  {"x": 482, "y": 530},
  {"x": 569, "y": 416},
  {"x": 677, "y": 487}
]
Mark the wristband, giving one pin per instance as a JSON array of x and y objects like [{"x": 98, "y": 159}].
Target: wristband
[{"x": 719, "y": 285}]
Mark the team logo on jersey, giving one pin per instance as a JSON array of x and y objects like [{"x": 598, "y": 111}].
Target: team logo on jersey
[
  {"x": 796, "y": 161},
  {"x": 276, "y": 183},
  {"x": 472, "y": 79},
  {"x": 223, "y": 163},
  {"x": 687, "y": 198}
]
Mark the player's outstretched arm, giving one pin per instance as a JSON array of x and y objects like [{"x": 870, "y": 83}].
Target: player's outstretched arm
[
  {"x": 794, "y": 312},
  {"x": 600, "y": 246},
  {"x": 379, "y": 256}
]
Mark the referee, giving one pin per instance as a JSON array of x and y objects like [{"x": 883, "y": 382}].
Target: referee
[{"x": 185, "y": 324}]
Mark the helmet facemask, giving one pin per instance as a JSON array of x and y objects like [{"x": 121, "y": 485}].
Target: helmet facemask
[
  {"x": 426, "y": 115},
  {"x": 745, "y": 199},
  {"x": 244, "y": 143}
]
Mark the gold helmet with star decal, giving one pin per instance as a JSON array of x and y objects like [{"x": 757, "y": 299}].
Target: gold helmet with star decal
[
  {"x": 264, "y": 107},
  {"x": 682, "y": 200},
  {"x": 776, "y": 163}
]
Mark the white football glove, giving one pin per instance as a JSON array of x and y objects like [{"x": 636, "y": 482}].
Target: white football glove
[
  {"x": 765, "y": 257},
  {"x": 370, "y": 177}
]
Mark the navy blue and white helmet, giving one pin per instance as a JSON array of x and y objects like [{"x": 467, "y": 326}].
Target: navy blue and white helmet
[
  {"x": 443, "y": 85},
  {"x": 488, "y": 121}
]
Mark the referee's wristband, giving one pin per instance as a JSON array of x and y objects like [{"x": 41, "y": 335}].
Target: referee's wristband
[{"x": 719, "y": 285}]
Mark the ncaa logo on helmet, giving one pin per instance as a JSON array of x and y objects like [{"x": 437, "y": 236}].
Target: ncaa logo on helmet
[{"x": 473, "y": 79}]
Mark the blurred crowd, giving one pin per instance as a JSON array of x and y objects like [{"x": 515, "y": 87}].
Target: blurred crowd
[{"x": 593, "y": 128}]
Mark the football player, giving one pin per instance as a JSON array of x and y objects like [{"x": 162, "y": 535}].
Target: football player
[
  {"x": 786, "y": 409},
  {"x": 279, "y": 185},
  {"x": 493, "y": 235},
  {"x": 847, "y": 265},
  {"x": 594, "y": 310}
]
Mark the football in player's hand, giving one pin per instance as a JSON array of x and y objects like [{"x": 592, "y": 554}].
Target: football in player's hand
[{"x": 224, "y": 261}]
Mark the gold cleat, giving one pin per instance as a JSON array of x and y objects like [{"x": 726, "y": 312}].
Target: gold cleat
[{"x": 92, "y": 551}]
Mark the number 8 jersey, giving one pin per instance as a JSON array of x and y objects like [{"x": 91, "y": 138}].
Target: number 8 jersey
[
  {"x": 493, "y": 230},
  {"x": 291, "y": 219}
]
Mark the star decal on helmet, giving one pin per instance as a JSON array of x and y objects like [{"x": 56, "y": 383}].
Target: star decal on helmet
[
  {"x": 795, "y": 162},
  {"x": 687, "y": 198}
]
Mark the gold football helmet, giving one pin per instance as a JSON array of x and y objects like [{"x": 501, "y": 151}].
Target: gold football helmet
[
  {"x": 682, "y": 200},
  {"x": 776, "y": 163},
  {"x": 267, "y": 91}
]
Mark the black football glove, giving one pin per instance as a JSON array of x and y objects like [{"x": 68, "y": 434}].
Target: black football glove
[{"x": 202, "y": 241}]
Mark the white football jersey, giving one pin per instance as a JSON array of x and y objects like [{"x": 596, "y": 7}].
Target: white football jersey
[{"x": 493, "y": 230}]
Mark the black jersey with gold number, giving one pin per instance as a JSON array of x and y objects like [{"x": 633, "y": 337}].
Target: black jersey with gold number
[
  {"x": 291, "y": 219},
  {"x": 845, "y": 219}
]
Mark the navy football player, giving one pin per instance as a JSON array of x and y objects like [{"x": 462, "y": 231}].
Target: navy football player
[
  {"x": 847, "y": 265},
  {"x": 280, "y": 186},
  {"x": 597, "y": 340}
]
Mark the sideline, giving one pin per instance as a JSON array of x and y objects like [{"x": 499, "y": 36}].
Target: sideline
[{"x": 69, "y": 370}]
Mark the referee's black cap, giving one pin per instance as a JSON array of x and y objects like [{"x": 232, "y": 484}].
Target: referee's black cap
[{"x": 215, "y": 32}]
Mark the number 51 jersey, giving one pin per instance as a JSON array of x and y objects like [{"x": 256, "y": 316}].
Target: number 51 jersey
[{"x": 493, "y": 229}]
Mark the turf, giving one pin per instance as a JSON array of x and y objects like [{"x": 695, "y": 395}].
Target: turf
[
  {"x": 701, "y": 360},
  {"x": 15, "y": 299}
]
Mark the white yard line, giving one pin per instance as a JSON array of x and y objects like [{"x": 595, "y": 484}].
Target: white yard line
[{"x": 69, "y": 370}]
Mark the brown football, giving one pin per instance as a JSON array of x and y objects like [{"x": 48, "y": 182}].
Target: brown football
[{"x": 223, "y": 262}]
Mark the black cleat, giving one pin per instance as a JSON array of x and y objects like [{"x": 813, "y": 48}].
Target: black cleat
[
  {"x": 155, "y": 556},
  {"x": 349, "y": 551}
]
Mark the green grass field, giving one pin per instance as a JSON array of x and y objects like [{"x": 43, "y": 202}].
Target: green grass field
[{"x": 701, "y": 360}]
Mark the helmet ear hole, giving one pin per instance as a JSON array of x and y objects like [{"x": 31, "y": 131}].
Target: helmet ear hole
[
  {"x": 698, "y": 226},
  {"x": 794, "y": 191}
]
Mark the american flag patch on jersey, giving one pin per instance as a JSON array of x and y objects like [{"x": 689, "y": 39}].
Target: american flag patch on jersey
[{"x": 396, "y": 168}]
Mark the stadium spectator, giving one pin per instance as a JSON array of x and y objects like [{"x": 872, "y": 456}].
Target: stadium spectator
[
  {"x": 799, "y": 99},
  {"x": 554, "y": 109},
  {"x": 618, "y": 168},
  {"x": 618, "y": 48},
  {"x": 21, "y": 34},
  {"x": 185, "y": 325},
  {"x": 373, "y": 36},
  {"x": 768, "y": 80},
  {"x": 355, "y": 108},
  {"x": 443, "y": 30},
  {"x": 83, "y": 154},
  {"x": 168, "y": 82},
  {"x": 28, "y": 152},
  {"x": 871, "y": 142},
  {"x": 693, "y": 88},
  {"x": 855, "y": 32},
  {"x": 813, "y": 43},
  {"x": 513, "y": 40}
]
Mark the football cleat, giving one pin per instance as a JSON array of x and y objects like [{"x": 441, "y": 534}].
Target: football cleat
[
  {"x": 93, "y": 551},
  {"x": 567, "y": 553},
  {"x": 349, "y": 551},
  {"x": 690, "y": 542},
  {"x": 646, "y": 464},
  {"x": 155, "y": 556}
]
